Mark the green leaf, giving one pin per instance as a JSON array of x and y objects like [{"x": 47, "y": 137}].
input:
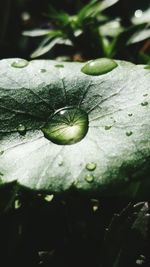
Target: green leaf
[
  {"x": 42, "y": 32},
  {"x": 43, "y": 49},
  {"x": 139, "y": 36},
  {"x": 111, "y": 28},
  {"x": 58, "y": 15},
  {"x": 117, "y": 142},
  {"x": 36, "y": 32},
  {"x": 94, "y": 7},
  {"x": 106, "y": 4}
]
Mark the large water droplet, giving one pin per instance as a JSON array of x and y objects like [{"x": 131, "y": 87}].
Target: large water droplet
[
  {"x": 66, "y": 126},
  {"x": 21, "y": 129},
  {"x": 20, "y": 63},
  {"x": 91, "y": 166},
  {"x": 99, "y": 66},
  {"x": 89, "y": 178}
]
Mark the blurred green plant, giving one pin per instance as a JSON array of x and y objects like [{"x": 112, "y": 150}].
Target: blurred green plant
[{"x": 90, "y": 32}]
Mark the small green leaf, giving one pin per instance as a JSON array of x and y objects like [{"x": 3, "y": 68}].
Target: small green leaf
[
  {"x": 41, "y": 50},
  {"x": 139, "y": 36}
]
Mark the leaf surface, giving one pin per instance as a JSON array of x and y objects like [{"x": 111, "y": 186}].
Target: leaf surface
[{"x": 117, "y": 141}]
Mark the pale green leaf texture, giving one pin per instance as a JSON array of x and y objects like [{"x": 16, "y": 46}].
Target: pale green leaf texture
[{"x": 117, "y": 142}]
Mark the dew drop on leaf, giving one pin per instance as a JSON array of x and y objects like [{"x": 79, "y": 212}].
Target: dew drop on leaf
[
  {"x": 108, "y": 127},
  {"x": 145, "y": 103},
  {"x": 129, "y": 133},
  {"x": 59, "y": 66},
  {"x": 66, "y": 126},
  {"x": 99, "y": 66},
  {"x": 91, "y": 166},
  {"x": 89, "y": 178},
  {"x": 21, "y": 129},
  {"x": 60, "y": 161},
  {"x": 20, "y": 63},
  {"x": 42, "y": 70}
]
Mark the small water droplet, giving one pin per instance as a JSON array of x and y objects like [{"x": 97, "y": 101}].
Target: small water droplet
[
  {"x": 49, "y": 198},
  {"x": 17, "y": 204},
  {"x": 145, "y": 103},
  {"x": 129, "y": 133},
  {"x": 20, "y": 63},
  {"x": 145, "y": 95},
  {"x": 89, "y": 178},
  {"x": 66, "y": 126},
  {"x": 108, "y": 127},
  {"x": 21, "y": 129},
  {"x": 95, "y": 204},
  {"x": 42, "y": 70},
  {"x": 130, "y": 114},
  {"x": 59, "y": 66},
  {"x": 99, "y": 66},
  {"x": 91, "y": 166},
  {"x": 60, "y": 161},
  {"x": 1, "y": 152}
]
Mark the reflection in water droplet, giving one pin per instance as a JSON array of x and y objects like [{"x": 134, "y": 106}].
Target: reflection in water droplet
[
  {"x": 145, "y": 103},
  {"x": 20, "y": 63},
  {"x": 108, "y": 127},
  {"x": 89, "y": 178},
  {"x": 42, "y": 70},
  {"x": 130, "y": 114},
  {"x": 91, "y": 166},
  {"x": 66, "y": 126},
  {"x": 129, "y": 133},
  {"x": 21, "y": 129},
  {"x": 59, "y": 66},
  {"x": 99, "y": 66}
]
